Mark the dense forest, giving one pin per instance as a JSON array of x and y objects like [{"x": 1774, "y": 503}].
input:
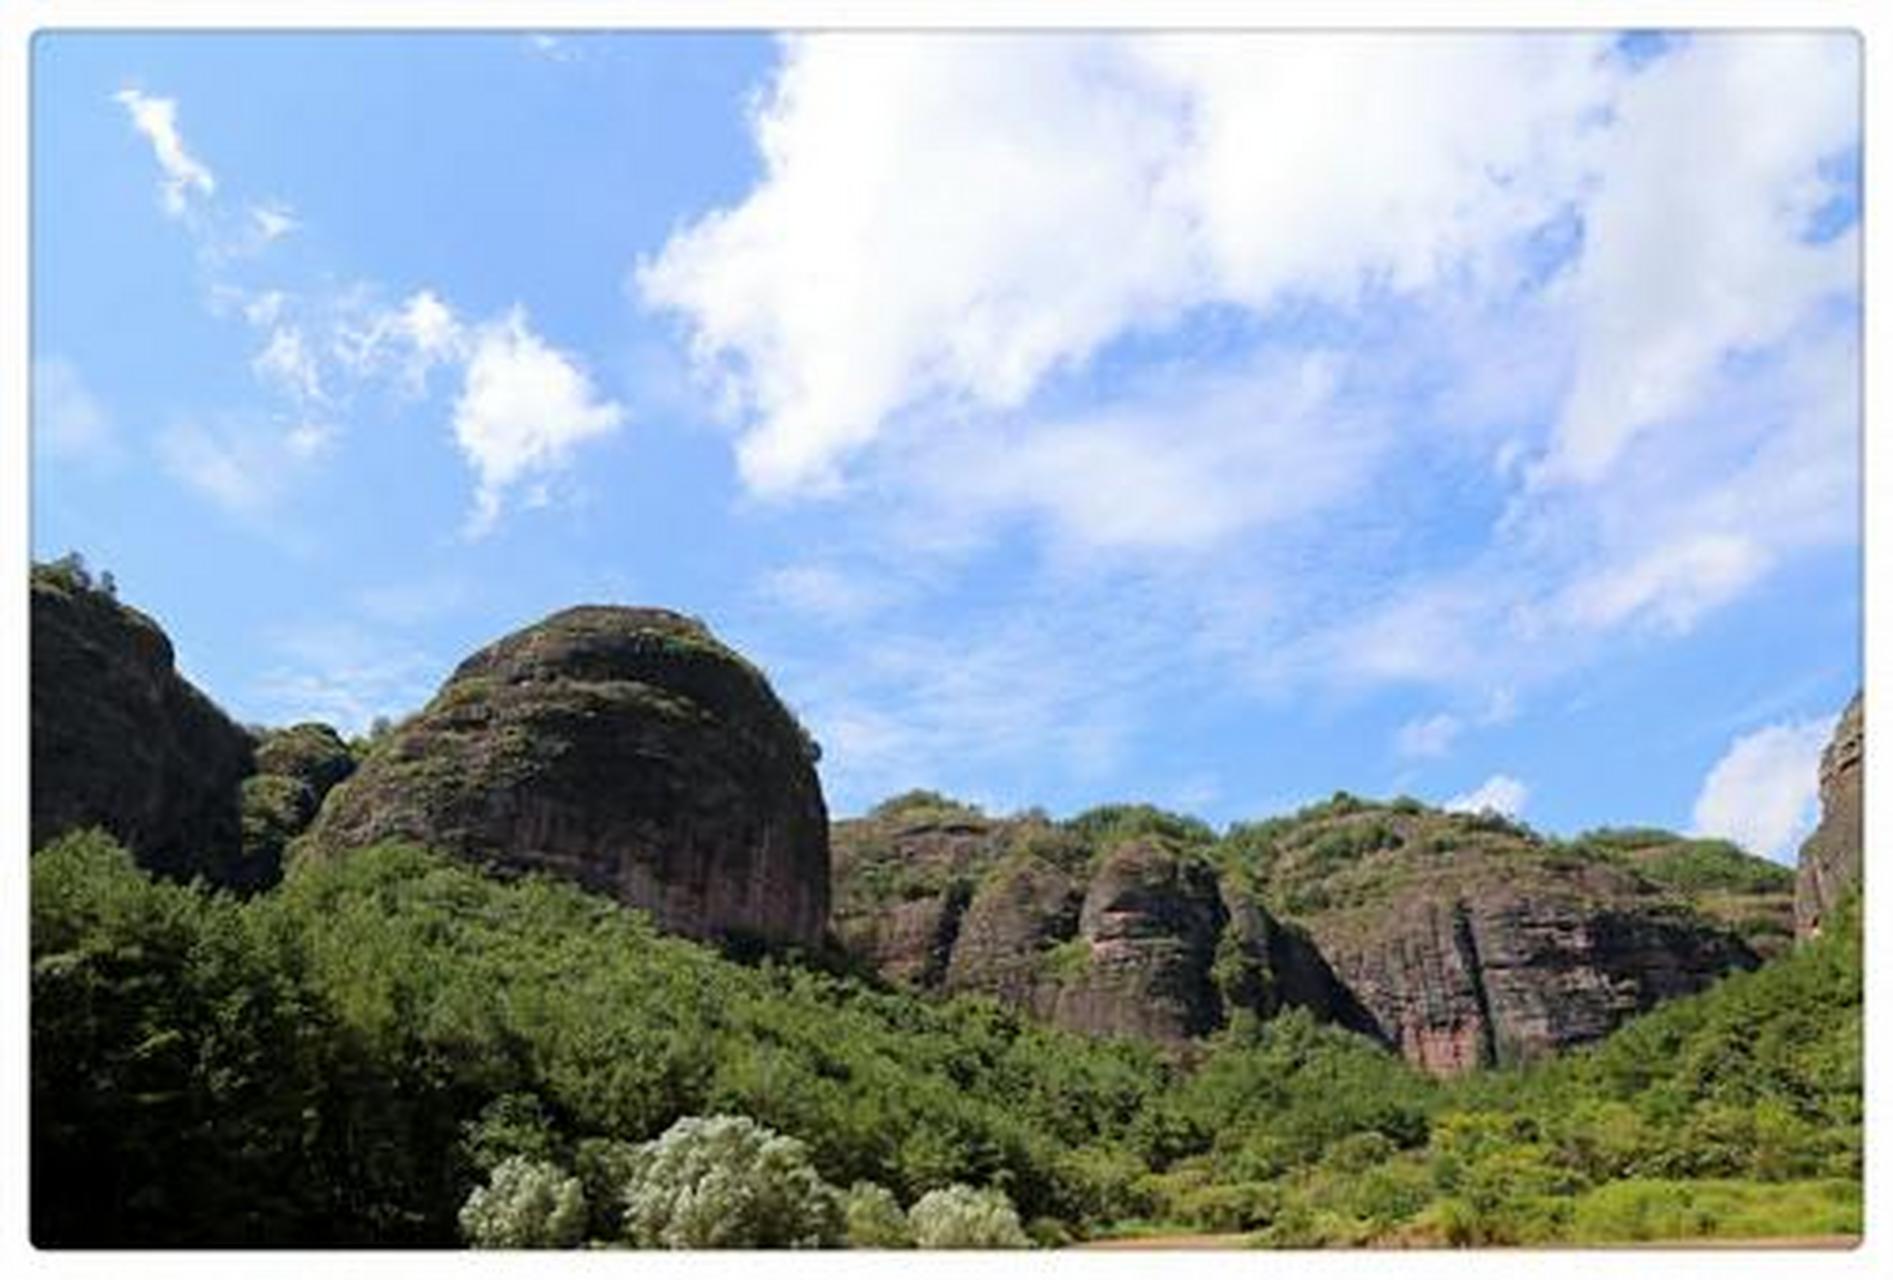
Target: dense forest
[{"x": 392, "y": 1049}]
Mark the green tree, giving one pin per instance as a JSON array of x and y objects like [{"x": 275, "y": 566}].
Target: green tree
[
  {"x": 963, "y": 1217},
  {"x": 526, "y": 1204},
  {"x": 726, "y": 1182}
]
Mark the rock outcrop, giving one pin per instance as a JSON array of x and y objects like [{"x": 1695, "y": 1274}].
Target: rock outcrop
[
  {"x": 1830, "y": 863},
  {"x": 121, "y": 741},
  {"x": 625, "y": 749},
  {"x": 1462, "y": 941},
  {"x": 311, "y": 753},
  {"x": 1128, "y": 933},
  {"x": 1148, "y": 933},
  {"x": 1472, "y": 942},
  {"x": 296, "y": 768}
]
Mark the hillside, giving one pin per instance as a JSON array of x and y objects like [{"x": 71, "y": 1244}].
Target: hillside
[
  {"x": 584, "y": 902},
  {"x": 342, "y": 1060},
  {"x": 1463, "y": 940}
]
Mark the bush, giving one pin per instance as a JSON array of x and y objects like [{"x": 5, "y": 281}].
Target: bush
[
  {"x": 725, "y": 1182},
  {"x": 875, "y": 1220},
  {"x": 962, "y": 1217},
  {"x": 527, "y": 1204}
]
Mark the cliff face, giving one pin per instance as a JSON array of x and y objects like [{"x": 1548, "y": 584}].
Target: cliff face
[
  {"x": 1462, "y": 941},
  {"x": 121, "y": 741},
  {"x": 1472, "y": 942},
  {"x": 1830, "y": 863},
  {"x": 1120, "y": 934},
  {"x": 1493, "y": 975},
  {"x": 625, "y": 749}
]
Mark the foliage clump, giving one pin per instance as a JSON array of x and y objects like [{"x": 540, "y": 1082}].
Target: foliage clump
[
  {"x": 527, "y": 1204},
  {"x": 726, "y": 1182},
  {"x": 874, "y": 1218},
  {"x": 1112, "y": 824},
  {"x": 963, "y": 1217}
]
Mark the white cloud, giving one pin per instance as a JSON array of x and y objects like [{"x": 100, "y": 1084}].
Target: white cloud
[
  {"x": 337, "y": 673},
  {"x": 287, "y": 362},
  {"x": 273, "y": 220},
  {"x": 69, "y": 423},
  {"x": 1007, "y": 205},
  {"x": 1671, "y": 584},
  {"x": 825, "y": 591},
  {"x": 1430, "y": 737},
  {"x": 1181, "y": 465},
  {"x": 1764, "y": 792},
  {"x": 237, "y": 468},
  {"x": 947, "y": 232},
  {"x": 522, "y": 409},
  {"x": 429, "y": 325},
  {"x": 247, "y": 467},
  {"x": 1695, "y": 240},
  {"x": 1499, "y": 793},
  {"x": 184, "y": 175},
  {"x": 308, "y": 439}
]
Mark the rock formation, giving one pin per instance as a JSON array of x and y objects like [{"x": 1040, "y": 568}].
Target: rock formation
[
  {"x": 1127, "y": 934},
  {"x": 1462, "y": 941},
  {"x": 625, "y": 749},
  {"x": 1830, "y": 863},
  {"x": 1472, "y": 942},
  {"x": 296, "y": 768},
  {"x": 121, "y": 741}
]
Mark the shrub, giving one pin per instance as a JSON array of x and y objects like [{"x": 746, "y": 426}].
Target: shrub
[
  {"x": 875, "y": 1220},
  {"x": 726, "y": 1182},
  {"x": 527, "y": 1204},
  {"x": 962, "y": 1217}
]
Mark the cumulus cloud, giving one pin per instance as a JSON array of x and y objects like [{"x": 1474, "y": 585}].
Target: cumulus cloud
[
  {"x": 1500, "y": 793},
  {"x": 1764, "y": 792},
  {"x": 524, "y": 406},
  {"x": 185, "y": 177},
  {"x": 69, "y": 423},
  {"x": 1622, "y": 308},
  {"x": 1011, "y": 204}
]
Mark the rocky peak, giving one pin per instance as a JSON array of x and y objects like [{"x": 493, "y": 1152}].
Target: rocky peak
[
  {"x": 626, "y": 749},
  {"x": 121, "y": 741}
]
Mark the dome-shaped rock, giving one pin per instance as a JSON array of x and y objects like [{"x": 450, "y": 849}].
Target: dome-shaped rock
[{"x": 625, "y": 749}]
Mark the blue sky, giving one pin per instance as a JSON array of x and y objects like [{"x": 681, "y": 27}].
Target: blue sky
[{"x": 1220, "y": 422}]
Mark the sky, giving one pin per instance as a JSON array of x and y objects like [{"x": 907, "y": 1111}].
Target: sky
[{"x": 1216, "y": 421}]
